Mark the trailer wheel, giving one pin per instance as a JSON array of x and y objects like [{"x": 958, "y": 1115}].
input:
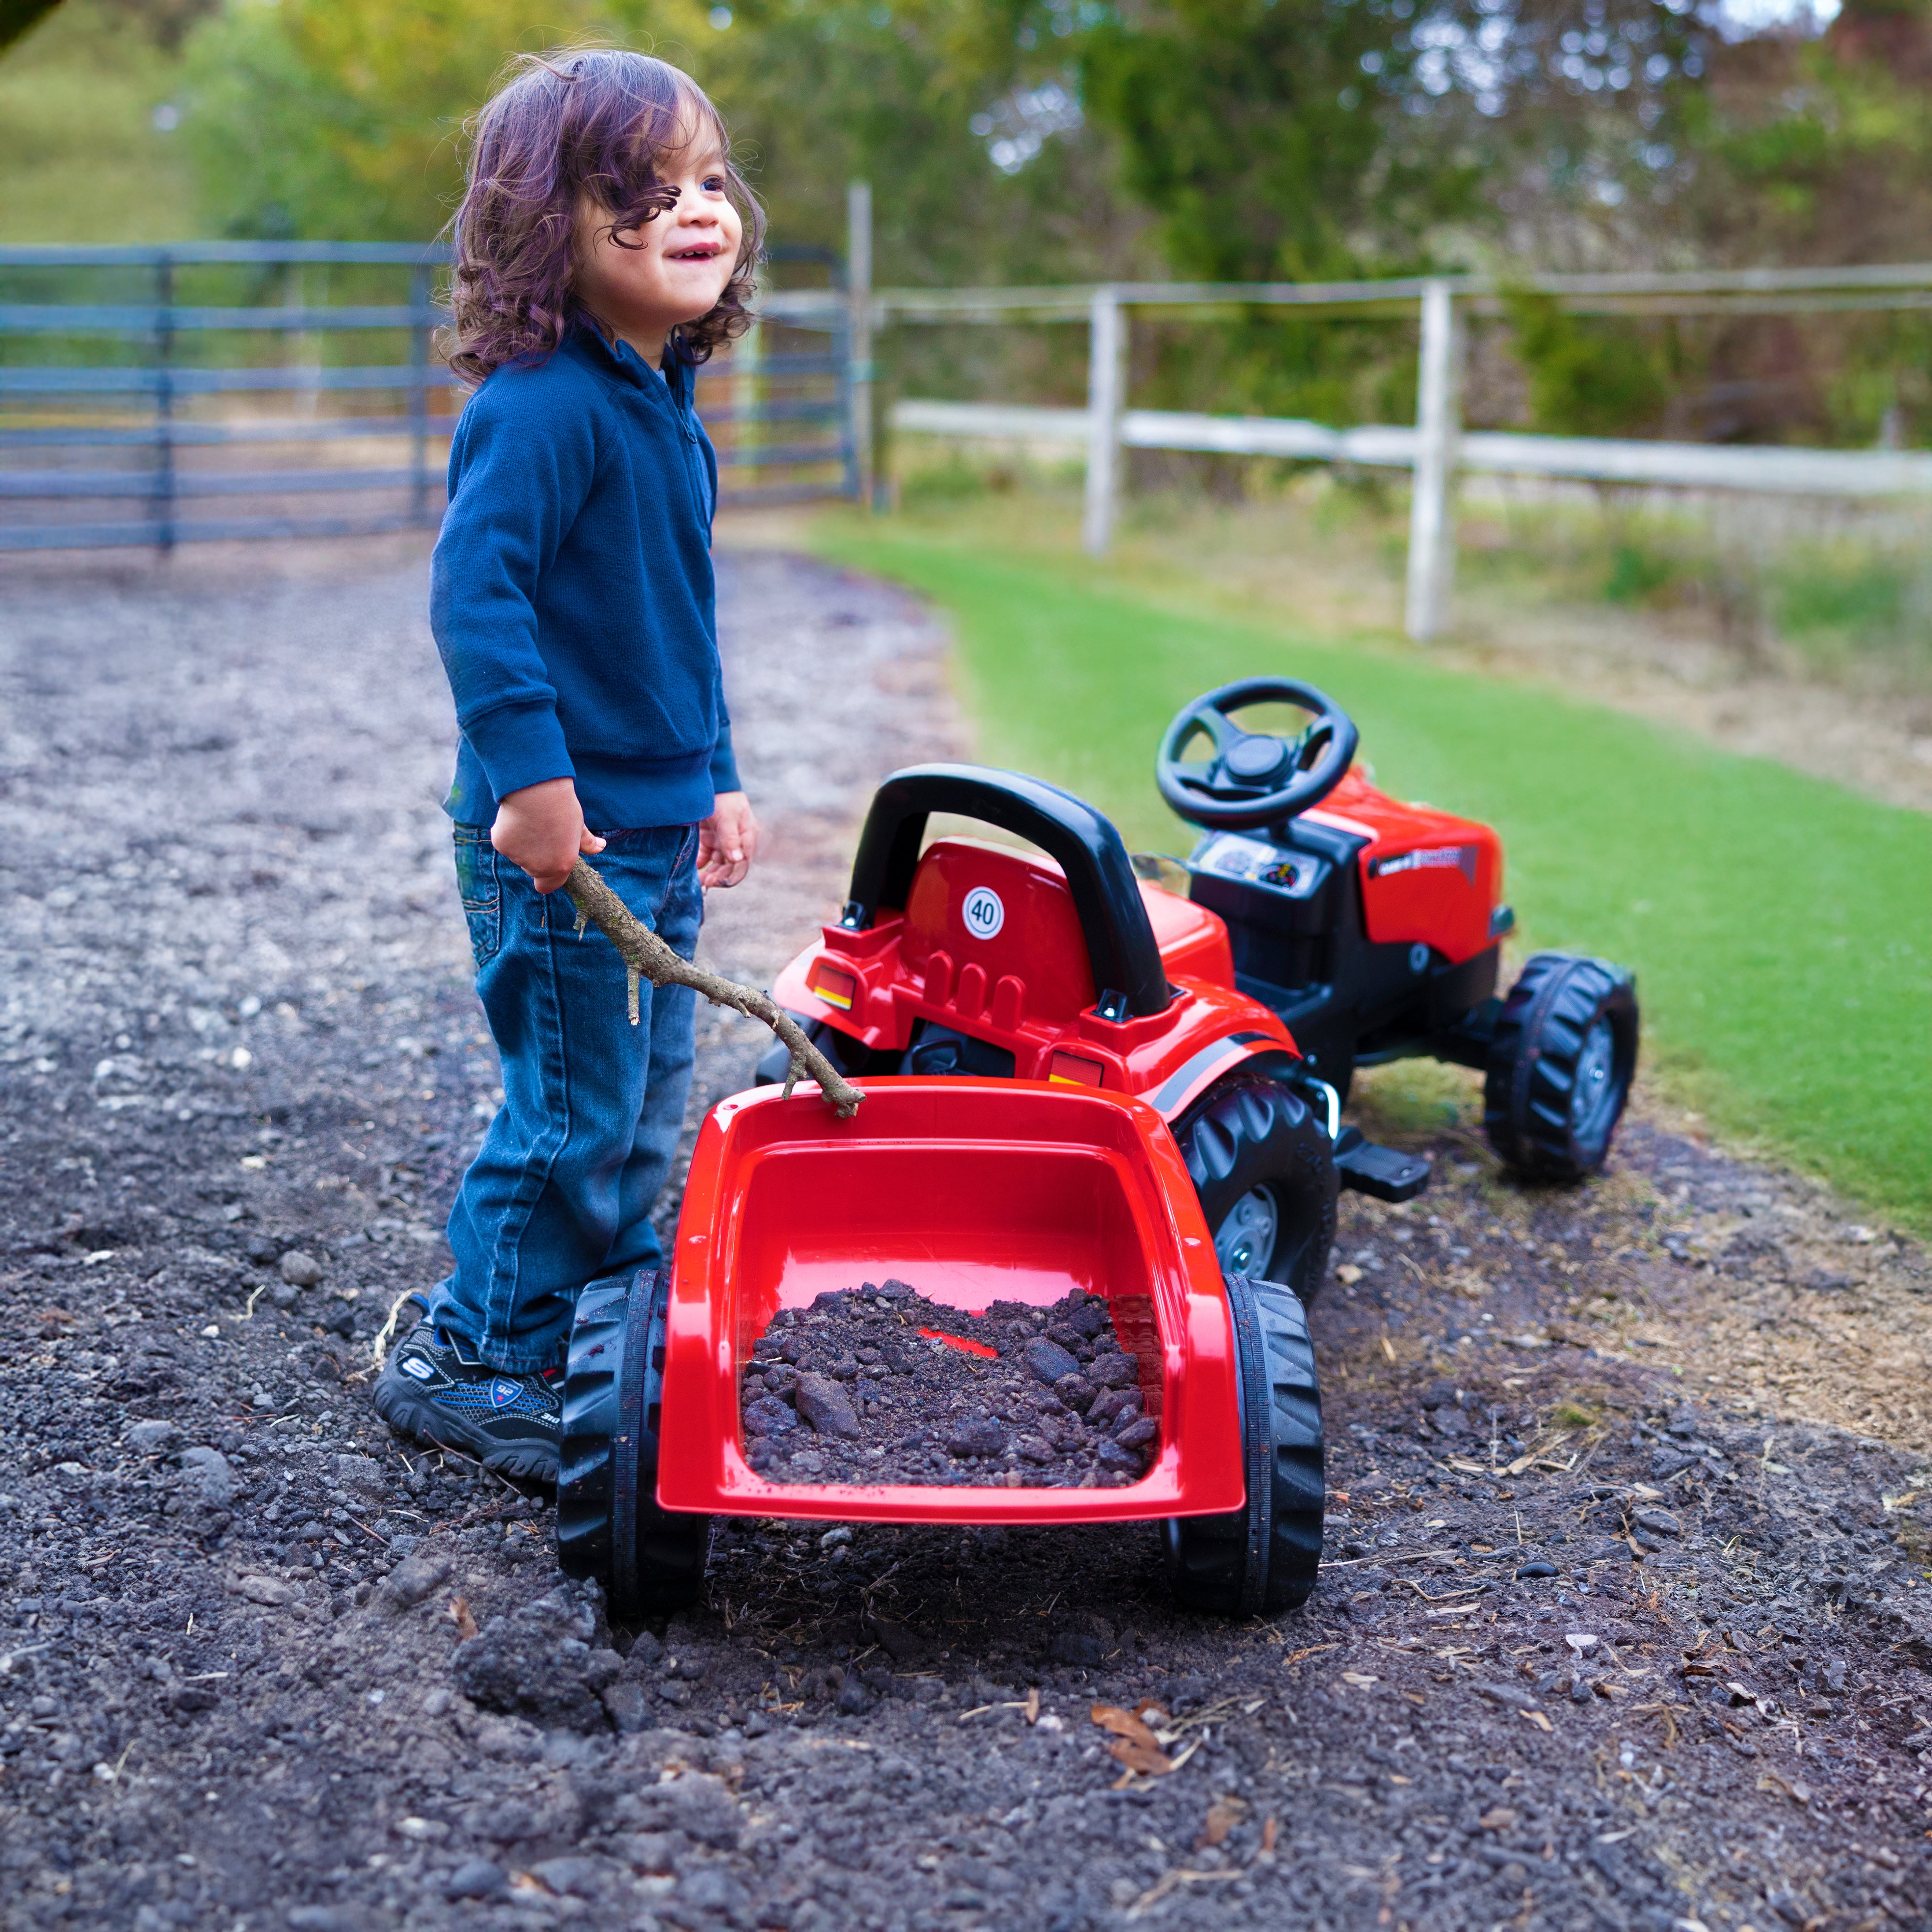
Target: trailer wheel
[
  {"x": 1262, "y": 1165},
  {"x": 1560, "y": 1066},
  {"x": 608, "y": 1522},
  {"x": 1264, "y": 1558}
]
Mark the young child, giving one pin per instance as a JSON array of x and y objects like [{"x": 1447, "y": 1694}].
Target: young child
[{"x": 604, "y": 247}]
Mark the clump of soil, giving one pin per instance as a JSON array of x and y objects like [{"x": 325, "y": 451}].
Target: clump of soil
[{"x": 877, "y": 1384}]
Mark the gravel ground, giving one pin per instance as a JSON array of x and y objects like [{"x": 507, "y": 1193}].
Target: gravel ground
[{"x": 1609, "y": 1636}]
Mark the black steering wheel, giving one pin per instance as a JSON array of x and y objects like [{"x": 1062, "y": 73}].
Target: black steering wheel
[{"x": 1254, "y": 777}]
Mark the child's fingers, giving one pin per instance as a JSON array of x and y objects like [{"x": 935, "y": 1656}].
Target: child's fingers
[{"x": 589, "y": 841}]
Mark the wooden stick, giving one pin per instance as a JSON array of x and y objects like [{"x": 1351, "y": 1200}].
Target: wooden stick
[{"x": 645, "y": 956}]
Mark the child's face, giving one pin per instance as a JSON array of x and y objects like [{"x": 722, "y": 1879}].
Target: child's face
[{"x": 675, "y": 267}]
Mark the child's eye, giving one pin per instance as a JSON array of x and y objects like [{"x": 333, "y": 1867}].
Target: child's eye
[{"x": 714, "y": 183}]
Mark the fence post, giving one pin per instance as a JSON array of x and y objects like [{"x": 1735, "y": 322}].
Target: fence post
[
  {"x": 419, "y": 395},
  {"x": 1432, "y": 543},
  {"x": 164, "y": 403},
  {"x": 859, "y": 338},
  {"x": 1106, "y": 398}
]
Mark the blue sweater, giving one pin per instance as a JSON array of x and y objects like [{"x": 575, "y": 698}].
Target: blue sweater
[{"x": 572, "y": 593}]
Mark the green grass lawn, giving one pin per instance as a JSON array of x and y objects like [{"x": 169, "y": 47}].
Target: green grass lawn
[{"x": 1780, "y": 926}]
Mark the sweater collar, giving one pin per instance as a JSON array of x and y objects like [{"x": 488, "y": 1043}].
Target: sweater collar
[{"x": 621, "y": 360}]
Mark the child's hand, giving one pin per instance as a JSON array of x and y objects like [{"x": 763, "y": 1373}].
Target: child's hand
[
  {"x": 728, "y": 841},
  {"x": 541, "y": 828}
]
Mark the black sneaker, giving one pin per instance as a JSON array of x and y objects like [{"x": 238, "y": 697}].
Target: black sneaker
[{"x": 432, "y": 1388}]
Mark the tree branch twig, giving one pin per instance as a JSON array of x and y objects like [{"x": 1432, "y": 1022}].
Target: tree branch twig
[{"x": 645, "y": 956}]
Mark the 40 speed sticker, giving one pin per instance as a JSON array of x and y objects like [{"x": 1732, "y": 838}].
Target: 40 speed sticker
[{"x": 982, "y": 912}]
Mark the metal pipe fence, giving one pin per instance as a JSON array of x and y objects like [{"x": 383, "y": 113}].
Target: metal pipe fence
[{"x": 146, "y": 418}]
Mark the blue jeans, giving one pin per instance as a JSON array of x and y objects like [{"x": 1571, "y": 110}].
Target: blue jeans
[{"x": 560, "y": 1191}]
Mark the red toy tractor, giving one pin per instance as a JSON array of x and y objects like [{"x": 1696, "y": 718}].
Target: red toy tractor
[{"x": 1077, "y": 1077}]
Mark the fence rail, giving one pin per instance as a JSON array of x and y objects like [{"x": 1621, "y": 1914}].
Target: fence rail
[
  {"x": 193, "y": 396},
  {"x": 1436, "y": 449}
]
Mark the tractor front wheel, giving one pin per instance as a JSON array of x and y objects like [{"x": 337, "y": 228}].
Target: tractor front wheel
[
  {"x": 1264, "y": 1170},
  {"x": 608, "y": 1523},
  {"x": 1560, "y": 1066},
  {"x": 1264, "y": 1558}
]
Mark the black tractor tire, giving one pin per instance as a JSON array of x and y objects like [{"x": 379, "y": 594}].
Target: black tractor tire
[
  {"x": 1561, "y": 1065},
  {"x": 1253, "y": 1146},
  {"x": 1264, "y": 1558},
  {"x": 608, "y": 1524}
]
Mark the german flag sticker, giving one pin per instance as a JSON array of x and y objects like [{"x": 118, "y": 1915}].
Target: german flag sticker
[
  {"x": 834, "y": 987},
  {"x": 1069, "y": 1070}
]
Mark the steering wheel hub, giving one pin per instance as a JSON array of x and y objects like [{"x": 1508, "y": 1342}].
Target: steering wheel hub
[
  {"x": 1257, "y": 756},
  {"x": 1253, "y": 778}
]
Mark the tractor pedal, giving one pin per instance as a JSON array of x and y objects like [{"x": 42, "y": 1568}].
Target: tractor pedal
[{"x": 1379, "y": 1172}]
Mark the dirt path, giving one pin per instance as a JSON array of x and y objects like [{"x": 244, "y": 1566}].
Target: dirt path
[{"x": 1607, "y": 1639}]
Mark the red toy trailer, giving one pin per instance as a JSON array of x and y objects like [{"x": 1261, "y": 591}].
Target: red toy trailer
[{"x": 1077, "y": 1078}]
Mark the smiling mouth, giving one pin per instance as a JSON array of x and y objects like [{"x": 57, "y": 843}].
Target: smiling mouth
[{"x": 703, "y": 251}]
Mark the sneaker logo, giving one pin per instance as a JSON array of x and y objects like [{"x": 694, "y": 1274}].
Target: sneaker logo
[
  {"x": 503, "y": 1392},
  {"x": 416, "y": 1366}
]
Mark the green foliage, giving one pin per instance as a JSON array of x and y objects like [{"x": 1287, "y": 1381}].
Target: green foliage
[
  {"x": 18, "y": 18},
  {"x": 1588, "y": 375},
  {"x": 81, "y": 158},
  {"x": 1637, "y": 575},
  {"x": 333, "y": 118},
  {"x": 1251, "y": 129},
  {"x": 1777, "y": 922}
]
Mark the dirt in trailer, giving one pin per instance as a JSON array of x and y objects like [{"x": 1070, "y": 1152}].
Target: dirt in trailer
[
  {"x": 1623, "y": 1621},
  {"x": 877, "y": 1384}
]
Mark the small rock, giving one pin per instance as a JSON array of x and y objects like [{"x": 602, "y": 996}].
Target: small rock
[
  {"x": 1526, "y": 1571},
  {"x": 975, "y": 1436},
  {"x": 1074, "y": 1649},
  {"x": 826, "y": 1406},
  {"x": 1048, "y": 1361},
  {"x": 476, "y": 1878},
  {"x": 1512, "y": 1697},
  {"x": 1076, "y": 1391},
  {"x": 769, "y": 1416},
  {"x": 1111, "y": 1456},
  {"x": 152, "y": 1438},
  {"x": 895, "y": 1290},
  {"x": 1088, "y": 1320},
  {"x": 303, "y": 1271},
  {"x": 1036, "y": 1450},
  {"x": 1659, "y": 1522},
  {"x": 1139, "y": 1433},
  {"x": 1115, "y": 1370},
  {"x": 573, "y": 1877},
  {"x": 411, "y": 1581},
  {"x": 653, "y": 1852},
  {"x": 628, "y": 1709},
  {"x": 361, "y": 1472},
  {"x": 211, "y": 1474},
  {"x": 270, "y": 1590}
]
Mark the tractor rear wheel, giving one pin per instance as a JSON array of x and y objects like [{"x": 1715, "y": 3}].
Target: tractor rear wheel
[
  {"x": 608, "y": 1523},
  {"x": 1560, "y": 1066},
  {"x": 1263, "y": 1167},
  {"x": 1263, "y": 1558}
]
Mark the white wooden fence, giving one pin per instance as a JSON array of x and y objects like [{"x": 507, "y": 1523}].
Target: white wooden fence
[{"x": 1436, "y": 449}]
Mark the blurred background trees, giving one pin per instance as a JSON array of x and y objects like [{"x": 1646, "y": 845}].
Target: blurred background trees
[{"x": 1056, "y": 140}]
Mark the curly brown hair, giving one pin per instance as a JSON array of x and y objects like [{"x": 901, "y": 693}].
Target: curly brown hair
[{"x": 577, "y": 122}]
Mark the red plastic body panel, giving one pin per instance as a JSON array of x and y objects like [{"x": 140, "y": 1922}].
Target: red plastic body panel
[
  {"x": 974, "y": 1191},
  {"x": 1028, "y": 988},
  {"x": 1426, "y": 874}
]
